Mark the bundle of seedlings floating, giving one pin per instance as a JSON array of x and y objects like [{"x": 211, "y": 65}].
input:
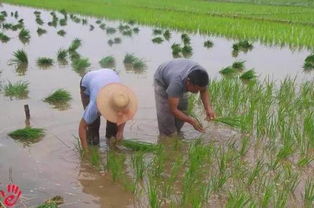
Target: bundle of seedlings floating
[
  {"x": 107, "y": 62},
  {"x": 37, "y": 13},
  {"x": 74, "y": 55},
  {"x": 110, "y": 42},
  {"x": 111, "y": 30},
  {"x": 61, "y": 56},
  {"x": 17, "y": 26},
  {"x": 248, "y": 75},
  {"x": 139, "y": 145},
  {"x": 139, "y": 64},
  {"x": 244, "y": 46},
  {"x": 309, "y": 63},
  {"x": 27, "y": 135},
  {"x": 16, "y": 14},
  {"x": 127, "y": 33},
  {"x": 208, "y": 44},
  {"x": 186, "y": 39},
  {"x": 7, "y": 26},
  {"x": 63, "y": 22},
  {"x": 4, "y": 38},
  {"x": 76, "y": 43},
  {"x": 98, "y": 21},
  {"x": 131, "y": 62},
  {"x": 41, "y": 31},
  {"x": 123, "y": 27},
  {"x": 52, "y": 203},
  {"x": 176, "y": 49},
  {"x": 18, "y": 90},
  {"x": 187, "y": 51},
  {"x": 59, "y": 98},
  {"x": 24, "y": 35},
  {"x": 102, "y": 26},
  {"x": 157, "y": 40},
  {"x": 117, "y": 40},
  {"x": 44, "y": 62},
  {"x": 84, "y": 21},
  {"x": 129, "y": 59},
  {"x": 20, "y": 58},
  {"x": 136, "y": 29},
  {"x": 61, "y": 33},
  {"x": 2, "y": 18},
  {"x": 228, "y": 71},
  {"x": 238, "y": 65},
  {"x": 91, "y": 27},
  {"x": 75, "y": 19},
  {"x": 157, "y": 31},
  {"x": 4, "y": 13},
  {"x": 39, "y": 21},
  {"x": 80, "y": 64},
  {"x": 167, "y": 35}
]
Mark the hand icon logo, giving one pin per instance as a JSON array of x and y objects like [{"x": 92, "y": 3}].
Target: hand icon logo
[{"x": 12, "y": 195}]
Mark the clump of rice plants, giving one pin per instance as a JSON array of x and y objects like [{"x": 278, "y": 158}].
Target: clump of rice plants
[
  {"x": 129, "y": 59},
  {"x": 107, "y": 62},
  {"x": 167, "y": 35},
  {"x": 176, "y": 49},
  {"x": 62, "y": 55},
  {"x": 309, "y": 63},
  {"x": 157, "y": 40},
  {"x": 136, "y": 29},
  {"x": 187, "y": 51},
  {"x": 110, "y": 42},
  {"x": 131, "y": 22},
  {"x": 110, "y": 30},
  {"x": 239, "y": 65},
  {"x": 91, "y": 27},
  {"x": 76, "y": 43},
  {"x": 248, "y": 75},
  {"x": 44, "y": 62},
  {"x": 16, "y": 14},
  {"x": 20, "y": 58},
  {"x": 61, "y": 32},
  {"x": 94, "y": 157},
  {"x": 7, "y": 26},
  {"x": 185, "y": 38},
  {"x": 4, "y": 13},
  {"x": 18, "y": 90},
  {"x": 228, "y": 71},
  {"x": 157, "y": 31},
  {"x": 244, "y": 46},
  {"x": 127, "y": 33},
  {"x": 123, "y": 27},
  {"x": 27, "y": 134},
  {"x": 84, "y": 21},
  {"x": 139, "y": 145},
  {"x": 208, "y": 44},
  {"x": 39, "y": 20},
  {"x": 139, "y": 64},
  {"x": 74, "y": 55},
  {"x": 4, "y": 38},
  {"x": 102, "y": 26},
  {"x": 41, "y": 31},
  {"x": 117, "y": 40},
  {"x": 98, "y": 21},
  {"x": 63, "y": 22},
  {"x": 24, "y": 35},
  {"x": 134, "y": 63},
  {"x": 58, "y": 97},
  {"x": 80, "y": 64},
  {"x": 17, "y": 26}
]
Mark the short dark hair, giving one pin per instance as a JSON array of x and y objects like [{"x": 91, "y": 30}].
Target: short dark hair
[{"x": 199, "y": 77}]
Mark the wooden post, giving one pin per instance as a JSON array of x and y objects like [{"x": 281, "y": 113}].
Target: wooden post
[{"x": 27, "y": 114}]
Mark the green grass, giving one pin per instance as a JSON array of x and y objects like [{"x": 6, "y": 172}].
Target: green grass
[
  {"x": 267, "y": 23},
  {"x": 59, "y": 96},
  {"x": 20, "y": 58},
  {"x": 45, "y": 62},
  {"x": 27, "y": 133},
  {"x": 107, "y": 62},
  {"x": 18, "y": 89}
]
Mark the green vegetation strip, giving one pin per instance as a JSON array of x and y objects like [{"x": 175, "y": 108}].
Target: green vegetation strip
[
  {"x": 27, "y": 133},
  {"x": 269, "y": 24}
]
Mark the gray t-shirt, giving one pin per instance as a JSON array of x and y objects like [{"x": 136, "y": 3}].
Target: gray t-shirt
[
  {"x": 93, "y": 81},
  {"x": 172, "y": 75}
]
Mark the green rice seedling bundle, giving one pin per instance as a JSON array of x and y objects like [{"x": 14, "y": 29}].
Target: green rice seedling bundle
[
  {"x": 41, "y": 31},
  {"x": 243, "y": 45},
  {"x": 17, "y": 26},
  {"x": 24, "y": 35},
  {"x": 74, "y": 55},
  {"x": 4, "y": 13},
  {"x": 4, "y": 38},
  {"x": 63, "y": 22},
  {"x": 7, "y": 26},
  {"x": 52, "y": 203},
  {"x": 186, "y": 39},
  {"x": 138, "y": 164},
  {"x": 176, "y": 49},
  {"x": 208, "y": 44},
  {"x": 44, "y": 62},
  {"x": 20, "y": 58},
  {"x": 123, "y": 27},
  {"x": 84, "y": 21},
  {"x": 39, "y": 21},
  {"x": 61, "y": 32},
  {"x": 2, "y": 18},
  {"x": 110, "y": 42},
  {"x": 117, "y": 40},
  {"x": 187, "y": 50},
  {"x": 228, "y": 71},
  {"x": 91, "y": 27},
  {"x": 139, "y": 145},
  {"x": 64, "y": 12},
  {"x": 131, "y": 22},
  {"x": 129, "y": 59},
  {"x": 62, "y": 55},
  {"x": 107, "y": 62},
  {"x": 157, "y": 31},
  {"x": 139, "y": 64},
  {"x": 248, "y": 75},
  {"x": 167, "y": 35},
  {"x": 238, "y": 65},
  {"x": 127, "y": 32},
  {"x": 76, "y": 43},
  {"x": 98, "y": 21},
  {"x": 157, "y": 40},
  {"x": 80, "y": 64},
  {"x": 16, "y": 14},
  {"x": 94, "y": 157},
  {"x": 234, "y": 122},
  {"x": 27, "y": 133},
  {"x": 18, "y": 89},
  {"x": 309, "y": 62},
  {"x": 110, "y": 30},
  {"x": 102, "y": 26},
  {"x": 59, "y": 96},
  {"x": 136, "y": 29}
]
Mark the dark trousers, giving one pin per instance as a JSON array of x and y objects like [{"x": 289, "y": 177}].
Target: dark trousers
[{"x": 93, "y": 129}]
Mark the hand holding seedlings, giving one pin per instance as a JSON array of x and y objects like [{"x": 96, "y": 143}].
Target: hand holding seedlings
[
  {"x": 197, "y": 125},
  {"x": 210, "y": 115}
]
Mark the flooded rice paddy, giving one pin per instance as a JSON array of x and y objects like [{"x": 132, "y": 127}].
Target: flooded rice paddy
[{"x": 52, "y": 166}]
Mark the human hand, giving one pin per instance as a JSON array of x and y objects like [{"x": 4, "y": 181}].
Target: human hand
[
  {"x": 197, "y": 126},
  {"x": 12, "y": 195},
  {"x": 210, "y": 115}
]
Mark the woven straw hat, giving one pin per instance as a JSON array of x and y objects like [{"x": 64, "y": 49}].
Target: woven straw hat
[{"x": 116, "y": 103}]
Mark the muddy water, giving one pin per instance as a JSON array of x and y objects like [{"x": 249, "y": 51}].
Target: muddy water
[{"x": 52, "y": 166}]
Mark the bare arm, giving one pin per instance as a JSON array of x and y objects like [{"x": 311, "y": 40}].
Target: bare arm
[
  {"x": 119, "y": 134},
  {"x": 82, "y": 134},
  {"x": 207, "y": 105}
]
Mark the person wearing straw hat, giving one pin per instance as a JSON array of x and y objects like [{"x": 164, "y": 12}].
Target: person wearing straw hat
[
  {"x": 103, "y": 94},
  {"x": 171, "y": 82}
]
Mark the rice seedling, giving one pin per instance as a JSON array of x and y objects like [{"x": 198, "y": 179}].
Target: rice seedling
[
  {"x": 228, "y": 71},
  {"x": 244, "y": 46},
  {"x": 139, "y": 145},
  {"x": 136, "y": 30},
  {"x": 117, "y": 40},
  {"x": 17, "y": 26},
  {"x": 129, "y": 59},
  {"x": 16, "y": 14},
  {"x": 39, "y": 21},
  {"x": 20, "y": 58},
  {"x": 248, "y": 75},
  {"x": 94, "y": 157},
  {"x": 59, "y": 98},
  {"x": 157, "y": 40},
  {"x": 76, "y": 43},
  {"x": 139, "y": 65},
  {"x": 123, "y": 27},
  {"x": 98, "y": 21},
  {"x": 27, "y": 134},
  {"x": 138, "y": 165},
  {"x": 2, "y": 18},
  {"x": 4, "y": 13},
  {"x": 110, "y": 30},
  {"x": 44, "y": 62},
  {"x": 91, "y": 27},
  {"x": 52, "y": 203},
  {"x": 309, "y": 63},
  {"x": 167, "y": 35},
  {"x": 61, "y": 32},
  {"x": 7, "y": 26},
  {"x": 74, "y": 55},
  {"x": 176, "y": 49},
  {"x": 131, "y": 22},
  {"x": 127, "y": 33},
  {"x": 63, "y": 22},
  {"x": 115, "y": 163},
  {"x": 309, "y": 194},
  {"x": 84, "y": 21},
  {"x": 18, "y": 89},
  {"x": 186, "y": 39},
  {"x": 110, "y": 42},
  {"x": 37, "y": 13},
  {"x": 157, "y": 31},
  {"x": 4, "y": 38},
  {"x": 24, "y": 35},
  {"x": 102, "y": 26},
  {"x": 107, "y": 62},
  {"x": 208, "y": 44},
  {"x": 304, "y": 161},
  {"x": 41, "y": 31},
  {"x": 79, "y": 65},
  {"x": 239, "y": 65},
  {"x": 187, "y": 51},
  {"x": 62, "y": 55}
]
